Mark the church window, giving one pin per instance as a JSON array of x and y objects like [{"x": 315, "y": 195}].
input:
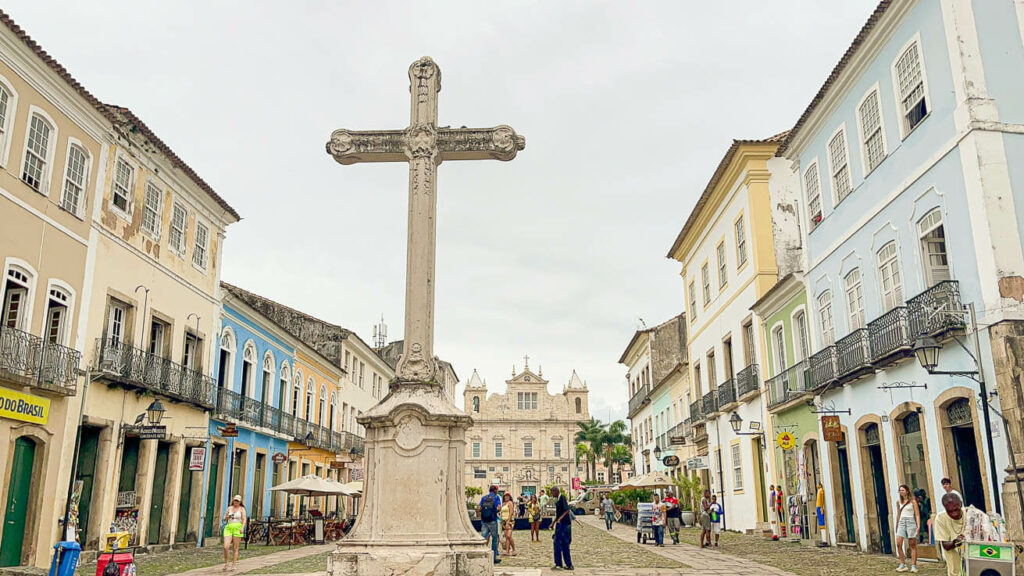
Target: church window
[
  {"x": 201, "y": 246},
  {"x": 741, "y": 243},
  {"x": 840, "y": 166},
  {"x": 812, "y": 187},
  {"x": 38, "y": 149},
  {"x": 75, "y": 176},
  {"x": 476, "y": 449},
  {"x": 176, "y": 238},
  {"x": 579, "y": 405},
  {"x": 527, "y": 449},
  {"x": 151, "y": 211},
  {"x": 873, "y": 140},
  {"x": 565, "y": 468},
  {"x": 705, "y": 281},
  {"x": 121, "y": 191},
  {"x": 558, "y": 449},
  {"x": 600, "y": 476},
  {"x": 693, "y": 302},
  {"x": 723, "y": 278},
  {"x": 497, "y": 449},
  {"x": 526, "y": 400},
  {"x": 476, "y": 404},
  {"x": 910, "y": 81}
]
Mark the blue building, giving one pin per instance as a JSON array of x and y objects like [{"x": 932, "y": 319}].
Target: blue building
[{"x": 909, "y": 163}]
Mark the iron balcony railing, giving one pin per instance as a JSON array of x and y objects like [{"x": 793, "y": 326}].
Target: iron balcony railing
[
  {"x": 709, "y": 403},
  {"x": 854, "y": 352},
  {"x": 678, "y": 433},
  {"x": 638, "y": 399},
  {"x": 936, "y": 310},
  {"x": 697, "y": 412},
  {"x": 134, "y": 367},
  {"x": 890, "y": 334},
  {"x": 823, "y": 367},
  {"x": 35, "y": 362},
  {"x": 748, "y": 380},
  {"x": 792, "y": 383},
  {"x": 726, "y": 393}
]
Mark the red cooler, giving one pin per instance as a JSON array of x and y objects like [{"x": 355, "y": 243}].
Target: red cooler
[{"x": 122, "y": 559}]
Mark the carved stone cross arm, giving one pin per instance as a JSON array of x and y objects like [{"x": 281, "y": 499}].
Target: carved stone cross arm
[{"x": 352, "y": 146}]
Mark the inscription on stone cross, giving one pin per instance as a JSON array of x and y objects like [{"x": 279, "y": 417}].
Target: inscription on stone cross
[{"x": 424, "y": 146}]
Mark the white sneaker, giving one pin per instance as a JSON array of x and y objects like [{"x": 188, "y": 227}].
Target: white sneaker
[
  {"x": 901, "y": 568},
  {"x": 914, "y": 568}
]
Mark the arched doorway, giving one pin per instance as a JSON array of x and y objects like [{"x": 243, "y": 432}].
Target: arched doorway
[
  {"x": 811, "y": 471},
  {"x": 966, "y": 466},
  {"x": 842, "y": 490},
  {"x": 18, "y": 508},
  {"x": 875, "y": 493},
  {"x": 913, "y": 466}
]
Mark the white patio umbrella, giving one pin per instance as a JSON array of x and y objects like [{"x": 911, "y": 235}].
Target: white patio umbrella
[
  {"x": 355, "y": 487},
  {"x": 649, "y": 480},
  {"x": 311, "y": 485}
]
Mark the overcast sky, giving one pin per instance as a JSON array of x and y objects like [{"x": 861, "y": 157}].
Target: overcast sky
[{"x": 626, "y": 107}]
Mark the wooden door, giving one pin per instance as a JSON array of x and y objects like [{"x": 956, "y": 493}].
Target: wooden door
[
  {"x": 86, "y": 475},
  {"x": 184, "y": 502},
  {"x": 17, "y": 509},
  {"x": 156, "y": 507},
  {"x": 212, "y": 510}
]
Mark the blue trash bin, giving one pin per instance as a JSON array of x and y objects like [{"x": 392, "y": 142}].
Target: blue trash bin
[{"x": 65, "y": 558}]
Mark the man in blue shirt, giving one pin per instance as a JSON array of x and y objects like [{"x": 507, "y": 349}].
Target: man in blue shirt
[
  {"x": 563, "y": 531},
  {"x": 487, "y": 510}
]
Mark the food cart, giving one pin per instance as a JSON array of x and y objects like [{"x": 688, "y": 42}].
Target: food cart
[{"x": 644, "y": 522}]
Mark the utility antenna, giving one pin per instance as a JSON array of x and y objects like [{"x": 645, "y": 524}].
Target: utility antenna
[
  {"x": 380, "y": 334},
  {"x": 643, "y": 325}
]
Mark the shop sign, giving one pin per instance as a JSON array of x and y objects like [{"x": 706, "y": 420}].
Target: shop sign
[
  {"x": 670, "y": 461},
  {"x": 832, "y": 430},
  {"x": 24, "y": 407},
  {"x": 152, "y": 432},
  {"x": 279, "y": 458},
  {"x": 357, "y": 474},
  {"x": 576, "y": 483},
  {"x": 336, "y": 465},
  {"x": 197, "y": 458},
  {"x": 786, "y": 440},
  {"x": 228, "y": 431},
  {"x": 697, "y": 463}
]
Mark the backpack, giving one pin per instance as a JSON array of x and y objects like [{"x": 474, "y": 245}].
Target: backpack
[{"x": 487, "y": 509}]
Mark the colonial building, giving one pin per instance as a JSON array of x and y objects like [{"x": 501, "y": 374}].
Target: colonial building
[
  {"x": 524, "y": 439},
  {"x": 53, "y": 146},
  {"x": 911, "y": 200},
  {"x": 726, "y": 249},
  {"x": 658, "y": 380}
]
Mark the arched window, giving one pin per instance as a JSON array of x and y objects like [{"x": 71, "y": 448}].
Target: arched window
[
  {"x": 246, "y": 388},
  {"x": 58, "y": 305},
  {"x": 227, "y": 351},
  {"x": 309, "y": 399},
  {"x": 283, "y": 385},
  {"x": 267, "y": 380},
  {"x": 323, "y": 405},
  {"x": 800, "y": 348},
  {"x": 579, "y": 405},
  {"x": 779, "y": 347},
  {"x": 16, "y": 297},
  {"x": 854, "y": 299},
  {"x": 933, "y": 248},
  {"x": 296, "y": 393},
  {"x": 476, "y": 404},
  {"x": 889, "y": 274},
  {"x": 76, "y": 175},
  {"x": 828, "y": 329},
  {"x": 38, "y": 153},
  {"x": 333, "y": 410},
  {"x": 8, "y": 105}
]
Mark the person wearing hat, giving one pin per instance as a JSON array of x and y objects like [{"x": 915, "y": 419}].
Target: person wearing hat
[{"x": 235, "y": 521}]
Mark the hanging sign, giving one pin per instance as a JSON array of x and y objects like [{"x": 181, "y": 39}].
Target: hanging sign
[
  {"x": 228, "y": 431},
  {"x": 831, "y": 429},
  {"x": 152, "y": 432},
  {"x": 24, "y": 407},
  {"x": 336, "y": 465},
  {"x": 279, "y": 458},
  {"x": 786, "y": 440},
  {"x": 670, "y": 461},
  {"x": 197, "y": 458},
  {"x": 697, "y": 463}
]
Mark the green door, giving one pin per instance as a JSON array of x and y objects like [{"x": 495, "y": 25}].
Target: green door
[
  {"x": 212, "y": 513},
  {"x": 85, "y": 475},
  {"x": 17, "y": 502},
  {"x": 156, "y": 507},
  {"x": 184, "y": 504}
]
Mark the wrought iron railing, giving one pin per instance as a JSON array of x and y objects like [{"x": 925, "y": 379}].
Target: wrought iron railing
[
  {"x": 823, "y": 367},
  {"x": 936, "y": 310},
  {"x": 135, "y": 367},
  {"x": 40, "y": 363},
  {"x": 890, "y": 333},
  {"x": 697, "y": 412},
  {"x": 709, "y": 403},
  {"x": 853, "y": 352},
  {"x": 678, "y": 433},
  {"x": 748, "y": 380},
  {"x": 726, "y": 392},
  {"x": 638, "y": 399},
  {"x": 792, "y": 383}
]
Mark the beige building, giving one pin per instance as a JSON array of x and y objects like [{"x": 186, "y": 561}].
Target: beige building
[{"x": 524, "y": 439}]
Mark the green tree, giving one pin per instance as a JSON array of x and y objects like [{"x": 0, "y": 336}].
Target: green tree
[
  {"x": 592, "y": 432},
  {"x": 620, "y": 455},
  {"x": 613, "y": 436},
  {"x": 472, "y": 491},
  {"x": 583, "y": 451}
]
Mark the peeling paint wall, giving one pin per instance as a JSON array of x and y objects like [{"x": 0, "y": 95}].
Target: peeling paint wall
[
  {"x": 668, "y": 348},
  {"x": 784, "y": 189}
]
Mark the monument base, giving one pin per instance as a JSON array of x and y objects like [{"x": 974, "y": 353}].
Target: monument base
[{"x": 414, "y": 520}]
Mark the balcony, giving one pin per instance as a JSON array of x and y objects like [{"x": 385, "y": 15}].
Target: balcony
[
  {"x": 641, "y": 397},
  {"x": 130, "y": 366},
  {"x": 677, "y": 434},
  {"x": 791, "y": 384},
  {"x": 854, "y": 355},
  {"x": 929, "y": 311},
  {"x": 726, "y": 394},
  {"x": 709, "y": 404},
  {"x": 747, "y": 380},
  {"x": 32, "y": 361},
  {"x": 697, "y": 412},
  {"x": 823, "y": 367},
  {"x": 890, "y": 336}
]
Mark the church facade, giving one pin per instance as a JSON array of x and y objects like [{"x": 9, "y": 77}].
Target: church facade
[{"x": 524, "y": 439}]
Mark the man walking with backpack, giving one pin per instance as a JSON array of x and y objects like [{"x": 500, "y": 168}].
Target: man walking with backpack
[{"x": 488, "y": 512}]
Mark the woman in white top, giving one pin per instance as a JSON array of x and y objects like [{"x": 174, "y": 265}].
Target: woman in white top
[
  {"x": 235, "y": 520},
  {"x": 908, "y": 524}
]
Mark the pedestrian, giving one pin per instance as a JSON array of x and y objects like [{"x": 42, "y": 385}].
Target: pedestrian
[
  {"x": 522, "y": 505},
  {"x": 819, "y": 511},
  {"x": 609, "y": 510},
  {"x": 658, "y": 521},
  {"x": 534, "y": 510},
  {"x": 673, "y": 517},
  {"x": 487, "y": 510},
  {"x": 773, "y": 517},
  {"x": 705, "y": 520},
  {"x": 949, "y": 529},
  {"x": 543, "y": 502},
  {"x": 563, "y": 531},
  {"x": 908, "y": 525},
  {"x": 715, "y": 512},
  {"x": 947, "y": 485},
  {"x": 235, "y": 521},
  {"x": 508, "y": 523},
  {"x": 780, "y": 509}
]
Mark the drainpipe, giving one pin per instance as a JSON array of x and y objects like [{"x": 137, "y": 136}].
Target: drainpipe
[
  {"x": 996, "y": 500},
  {"x": 204, "y": 494}
]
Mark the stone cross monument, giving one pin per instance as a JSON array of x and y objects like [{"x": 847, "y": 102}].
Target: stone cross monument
[{"x": 414, "y": 519}]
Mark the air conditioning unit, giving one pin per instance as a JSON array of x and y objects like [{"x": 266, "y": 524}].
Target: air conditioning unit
[{"x": 990, "y": 559}]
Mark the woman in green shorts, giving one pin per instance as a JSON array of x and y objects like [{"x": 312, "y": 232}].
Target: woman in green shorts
[{"x": 235, "y": 521}]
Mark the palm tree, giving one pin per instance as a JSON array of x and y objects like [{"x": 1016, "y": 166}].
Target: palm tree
[
  {"x": 612, "y": 437},
  {"x": 583, "y": 451},
  {"x": 619, "y": 454},
  {"x": 592, "y": 432}
]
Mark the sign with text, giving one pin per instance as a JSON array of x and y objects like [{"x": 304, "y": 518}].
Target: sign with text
[
  {"x": 279, "y": 458},
  {"x": 576, "y": 483},
  {"x": 24, "y": 407},
  {"x": 335, "y": 465},
  {"x": 152, "y": 432},
  {"x": 786, "y": 440},
  {"x": 831, "y": 429},
  {"x": 697, "y": 463},
  {"x": 228, "y": 431},
  {"x": 670, "y": 461},
  {"x": 197, "y": 458}
]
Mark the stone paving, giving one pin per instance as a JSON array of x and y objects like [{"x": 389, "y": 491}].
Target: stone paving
[{"x": 247, "y": 564}]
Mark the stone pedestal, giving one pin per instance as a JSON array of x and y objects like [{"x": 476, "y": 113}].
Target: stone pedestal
[{"x": 413, "y": 519}]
